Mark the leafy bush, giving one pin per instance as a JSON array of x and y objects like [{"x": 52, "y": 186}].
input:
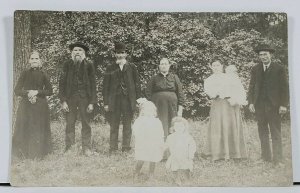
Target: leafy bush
[{"x": 185, "y": 38}]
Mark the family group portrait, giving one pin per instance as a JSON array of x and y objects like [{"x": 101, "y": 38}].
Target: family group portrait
[{"x": 150, "y": 99}]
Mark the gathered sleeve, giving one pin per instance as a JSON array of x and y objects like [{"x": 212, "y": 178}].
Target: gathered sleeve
[
  {"x": 179, "y": 91},
  {"x": 149, "y": 88},
  {"x": 209, "y": 87},
  {"x": 19, "y": 88}
]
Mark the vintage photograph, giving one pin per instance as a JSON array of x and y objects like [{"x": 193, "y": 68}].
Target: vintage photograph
[{"x": 150, "y": 99}]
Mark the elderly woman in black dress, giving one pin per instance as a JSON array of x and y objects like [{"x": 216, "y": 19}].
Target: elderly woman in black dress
[
  {"x": 165, "y": 91},
  {"x": 32, "y": 135}
]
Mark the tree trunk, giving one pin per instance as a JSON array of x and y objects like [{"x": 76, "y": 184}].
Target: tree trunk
[{"x": 22, "y": 46}]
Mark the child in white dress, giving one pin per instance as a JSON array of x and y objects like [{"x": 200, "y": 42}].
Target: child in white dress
[
  {"x": 234, "y": 88},
  {"x": 182, "y": 148},
  {"x": 149, "y": 138}
]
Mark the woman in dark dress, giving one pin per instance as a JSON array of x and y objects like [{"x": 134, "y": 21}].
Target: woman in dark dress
[
  {"x": 165, "y": 91},
  {"x": 32, "y": 135}
]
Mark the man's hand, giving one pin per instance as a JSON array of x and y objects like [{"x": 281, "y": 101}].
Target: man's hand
[
  {"x": 90, "y": 108},
  {"x": 106, "y": 109},
  {"x": 251, "y": 108},
  {"x": 65, "y": 107},
  {"x": 282, "y": 110}
]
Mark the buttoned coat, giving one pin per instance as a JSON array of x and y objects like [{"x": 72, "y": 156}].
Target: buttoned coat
[
  {"x": 66, "y": 80},
  {"x": 112, "y": 81},
  {"x": 277, "y": 84}
]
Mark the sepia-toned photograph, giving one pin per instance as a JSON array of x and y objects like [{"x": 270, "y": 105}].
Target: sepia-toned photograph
[{"x": 162, "y": 99}]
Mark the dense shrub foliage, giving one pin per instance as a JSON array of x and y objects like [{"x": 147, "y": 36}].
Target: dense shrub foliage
[{"x": 190, "y": 40}]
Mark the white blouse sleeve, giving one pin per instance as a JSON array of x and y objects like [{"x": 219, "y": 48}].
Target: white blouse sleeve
[{"x": 209, "y": 87}]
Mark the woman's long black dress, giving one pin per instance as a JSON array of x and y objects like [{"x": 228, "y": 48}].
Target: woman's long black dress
[{"x": 32, "y": 135}]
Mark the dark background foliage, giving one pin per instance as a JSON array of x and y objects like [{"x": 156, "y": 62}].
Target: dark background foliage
[{"x": 190, "y": 40}]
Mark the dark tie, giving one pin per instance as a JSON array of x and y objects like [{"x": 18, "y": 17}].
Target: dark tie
[{"x": 265, "y": 67}]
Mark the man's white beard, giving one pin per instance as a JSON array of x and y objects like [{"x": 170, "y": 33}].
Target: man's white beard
[
  {"x": 121, "y": 61},
  {"x": 78, "y": 58}
]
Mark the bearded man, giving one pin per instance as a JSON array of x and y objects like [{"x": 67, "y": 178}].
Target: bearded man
[{"x": 77, "y": 92}]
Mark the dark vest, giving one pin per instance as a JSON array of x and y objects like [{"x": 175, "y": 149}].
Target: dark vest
[
  {"x": 264, "y": 86},
  {"x": 122, "y": 88},
  {"x": 78, "y": 86}
]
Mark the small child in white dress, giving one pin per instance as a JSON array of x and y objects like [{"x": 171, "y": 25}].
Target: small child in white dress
[
  {"x": 182, "y": 148},
  {"x": 234, "y": 88},
  {"x": 149, "y": 138}
]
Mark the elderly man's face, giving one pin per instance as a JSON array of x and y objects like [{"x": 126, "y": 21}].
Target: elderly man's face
[
  {"x": 120, "y": 55},
  {"x": 78, "y": 54},
  {"x": 265, "y": 57}
]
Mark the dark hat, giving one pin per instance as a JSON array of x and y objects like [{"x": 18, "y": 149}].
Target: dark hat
[
  {"x": 120, "y": 47},
  {"x": 264, "y": 47},
  {"x": 79, "y": 44}
]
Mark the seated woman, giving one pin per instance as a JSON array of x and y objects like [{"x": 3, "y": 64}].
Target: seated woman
[
  {"x": 32, "y": 135},
  {"x": 165, "y": 91},
  {"x": 225, "y": 134}
]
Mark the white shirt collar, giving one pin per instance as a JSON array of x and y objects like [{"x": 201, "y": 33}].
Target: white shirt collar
[
  {"x": 267, "y": 65},
  {"x": 164, "y": 74}
]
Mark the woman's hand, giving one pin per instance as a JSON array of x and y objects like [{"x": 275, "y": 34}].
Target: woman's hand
[
  {"x": 251, "y": 108},
  {"x": 32, "y": 96},
  {"x": 65, "y": 107},
  {"x": 90, "y": 108},
  {"x": 32, "y": 93},
  {"x": 106, "y": 109}
]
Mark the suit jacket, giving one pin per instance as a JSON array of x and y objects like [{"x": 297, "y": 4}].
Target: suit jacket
[
  {"x": 277, "y": 84},
  {"x": 89, "y": 80},
  {"x": 112, "y": 80}
]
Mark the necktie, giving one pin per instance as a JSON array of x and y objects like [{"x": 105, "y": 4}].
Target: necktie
[{"x": 265, "y": 67}]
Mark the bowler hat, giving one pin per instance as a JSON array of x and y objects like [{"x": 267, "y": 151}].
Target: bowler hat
[
  {"x": 79, "y": 44},
  {"x": 264, "y": 47},
  {"x": 120, "y": 47}
]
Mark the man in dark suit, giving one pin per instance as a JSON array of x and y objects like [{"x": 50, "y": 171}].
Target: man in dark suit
[
  {"x": 77, "y": 92},
  {"x": 268, "y": 99},
  {"x": 121, "y": 89}
]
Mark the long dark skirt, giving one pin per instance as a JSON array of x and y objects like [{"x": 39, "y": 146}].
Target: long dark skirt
[
  {"x": 32, "y": 135},
  {"x": 225, "y": 132},
  {"x": 167, "y": 105}
]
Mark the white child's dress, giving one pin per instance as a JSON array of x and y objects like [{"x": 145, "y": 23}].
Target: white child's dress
[
  {"x": 235, "y": 89},
  {"x": 149, "y": 139},
  {"x": 182, "y": 148}
]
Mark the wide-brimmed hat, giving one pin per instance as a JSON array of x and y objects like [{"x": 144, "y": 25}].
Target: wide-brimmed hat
[
  {"x": 79, "y": 44},
  {"x": 264, "y": 47},
  {"x": 120, "y": 47}
]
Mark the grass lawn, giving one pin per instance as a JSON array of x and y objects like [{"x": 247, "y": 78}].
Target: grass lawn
[{"x": 74, "y": 169}]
